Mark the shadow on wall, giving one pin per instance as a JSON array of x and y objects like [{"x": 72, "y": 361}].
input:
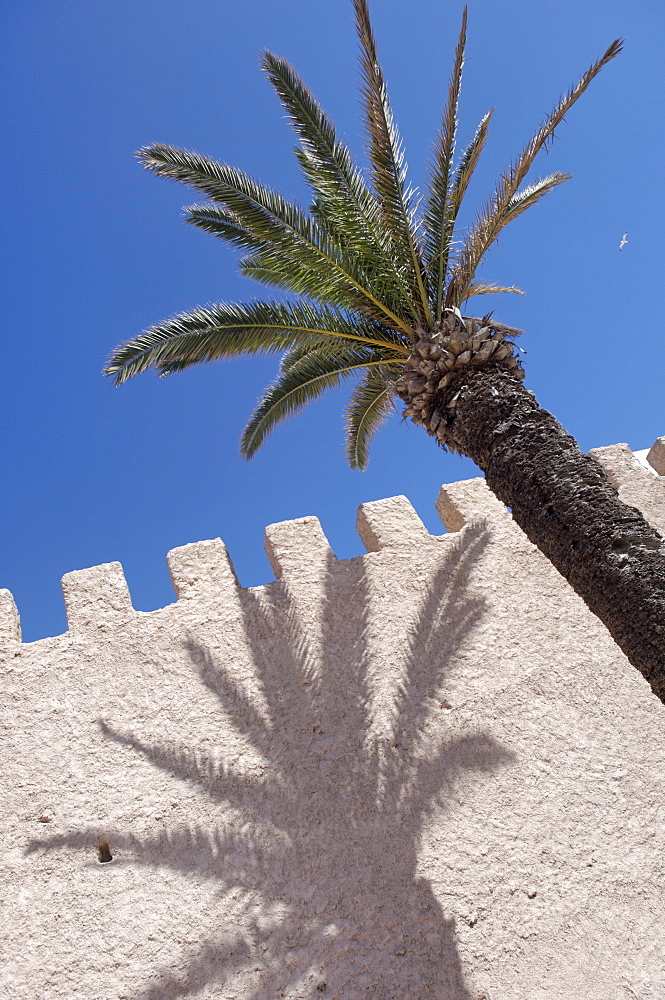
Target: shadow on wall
[{"x": 318, "y": 862}]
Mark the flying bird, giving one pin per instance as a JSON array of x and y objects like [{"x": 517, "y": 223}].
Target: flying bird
[{"x": 624, "y": 240}]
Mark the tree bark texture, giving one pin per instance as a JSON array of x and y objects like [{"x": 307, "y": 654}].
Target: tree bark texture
[{"x": 560, "y": 497}]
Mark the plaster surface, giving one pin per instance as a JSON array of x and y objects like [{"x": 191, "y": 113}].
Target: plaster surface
[{"x": 424, "y": 772}]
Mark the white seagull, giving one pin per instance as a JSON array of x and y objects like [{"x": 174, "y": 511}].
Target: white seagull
[{"x": 624, "y": 240}]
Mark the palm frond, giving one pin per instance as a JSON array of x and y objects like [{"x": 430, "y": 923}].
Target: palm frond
[
  {"x": 436, "y": 241},
  {"x": 301, "y": 382},
  {"x": 528, "y": 196},
  {"x": 294, "y": 355},
  {"x": 545, "y": 133},
  {"x": 457, "y": 190},
  {"x": 475, "y": 247},
  {"x": 369, "y": 407},
  {"x": 466, "y": 167},
  {"x": 328, "y": 165},
  {"x": 343, "y": 201},
  {"x": 219, "y": 222},
  {"x": 487, "y": 288},
  {"x": 338, "y": 347},
  {"x": 266, "y": 270},
  {"x": 388, "y": 166},
  {"x": 493, "y": 217},
  {"x": 292, "y": 241},
  {"x": 229, "y": 330}
]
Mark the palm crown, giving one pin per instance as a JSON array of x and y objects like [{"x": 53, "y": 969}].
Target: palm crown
[{"x": 371, "y": 262}]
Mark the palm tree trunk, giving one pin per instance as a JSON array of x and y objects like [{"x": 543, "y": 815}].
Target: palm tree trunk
[{"x": 611, "y": 556}]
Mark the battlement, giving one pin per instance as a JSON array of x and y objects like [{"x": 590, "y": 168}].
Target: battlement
[
  {"x": 98, "y": 598},
  {"x": 425, "y": 771}
]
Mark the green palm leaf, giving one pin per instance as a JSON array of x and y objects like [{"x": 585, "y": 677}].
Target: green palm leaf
[
  {"x": 230, "y": 330},
  {"x": 465, "y": 169},
  {"x": 436, "y": 236},
  {"x": 344, "y": 203},
  {"x": 295, "y": 354},
  {"x": 328, "y": 164},
  {"x": 457, "y": 190},
  {"x": 370, "y": 406},
  {"x": 301, "y": 381},
  {"x": 219, "y": 222},
  {"x": 389, "y": 171},
  {"x": 291, "y": 242}
]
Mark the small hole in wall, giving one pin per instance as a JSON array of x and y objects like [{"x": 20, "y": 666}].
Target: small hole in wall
[{"x": 103, "y": 852}]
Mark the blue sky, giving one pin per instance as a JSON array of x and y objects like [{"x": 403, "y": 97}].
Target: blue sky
[{"x": 96, "y": 250}]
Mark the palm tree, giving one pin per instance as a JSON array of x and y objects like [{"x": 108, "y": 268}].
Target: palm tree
[{"x": 380, "y": 276}]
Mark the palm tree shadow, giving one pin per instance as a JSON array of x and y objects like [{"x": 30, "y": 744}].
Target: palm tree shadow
[{"x": 323, "y": 865}]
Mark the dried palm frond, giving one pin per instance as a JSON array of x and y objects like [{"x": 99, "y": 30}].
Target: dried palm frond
[
  {"x": 487, "y": 288},
  {"x": 496, "y": 215}
]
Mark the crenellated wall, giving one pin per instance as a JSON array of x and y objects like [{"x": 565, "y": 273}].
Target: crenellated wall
[{"x": 424, "y": 772}]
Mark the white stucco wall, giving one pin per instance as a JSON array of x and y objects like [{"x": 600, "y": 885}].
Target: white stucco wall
[{"x": 424, "y": 772}]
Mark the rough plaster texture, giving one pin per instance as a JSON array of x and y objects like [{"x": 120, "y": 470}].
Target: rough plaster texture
[{"x": 424, "y": 772}]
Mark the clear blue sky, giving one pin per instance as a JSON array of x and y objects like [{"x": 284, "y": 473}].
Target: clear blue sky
[{"x": 95, "y": 250}]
